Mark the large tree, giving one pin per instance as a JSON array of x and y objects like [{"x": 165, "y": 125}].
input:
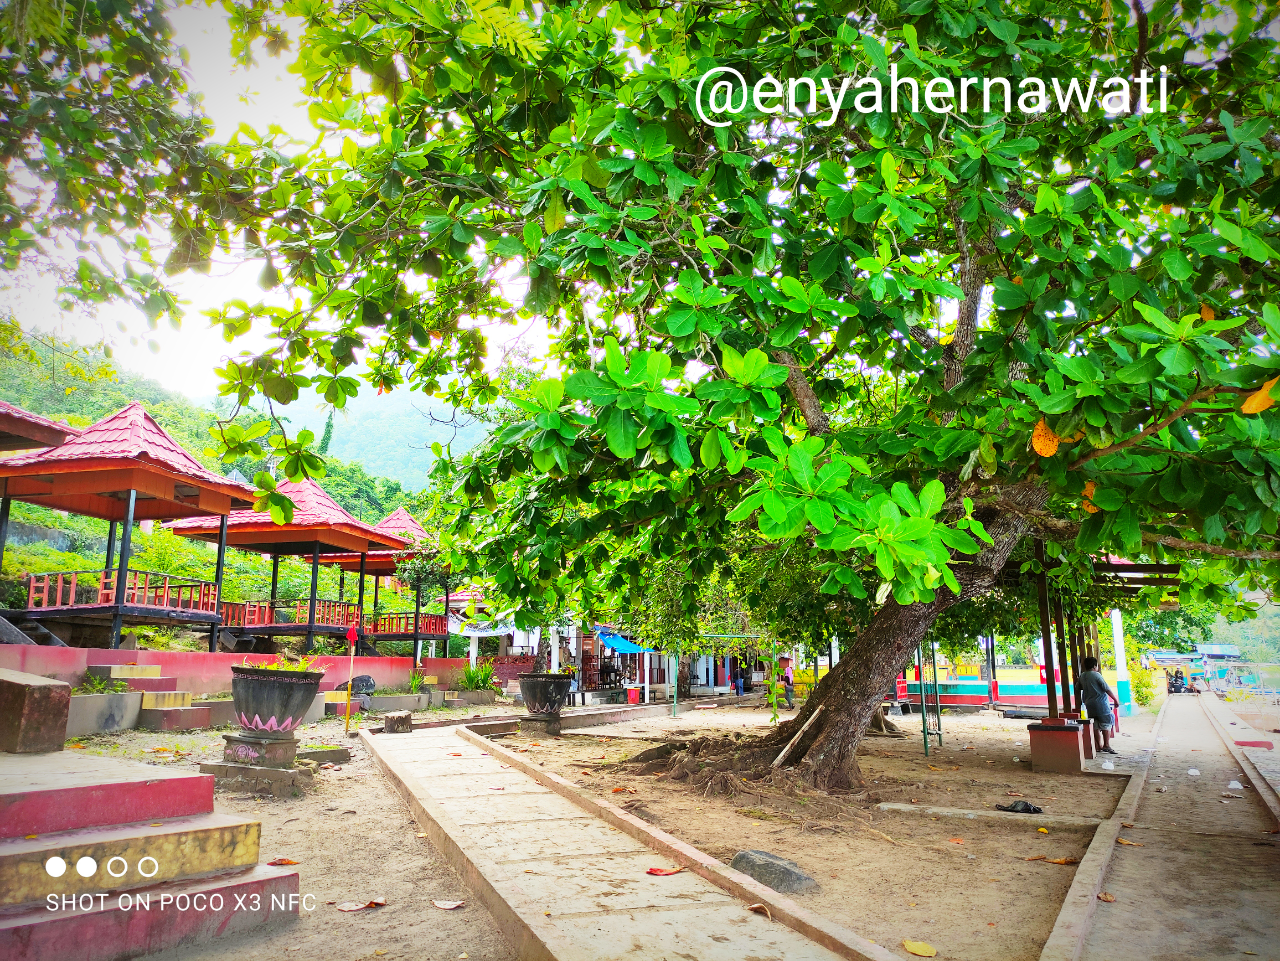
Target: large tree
[{"x": 1063, "y": 316}]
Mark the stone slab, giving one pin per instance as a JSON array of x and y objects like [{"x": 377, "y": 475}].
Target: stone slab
[
  {"x": 117, "y": 671},
  {"x": 260, "y": 780},
  {"x": 33, "y": 712},
  {"x": 153, "y": 683},
  {"x": 173, "y": 718},
  {"x": 42, "y": 793},
  {"x": 326, "y": 755},
  {"x": 103, "y": 713},
  {"x": 162, "y": 700}
]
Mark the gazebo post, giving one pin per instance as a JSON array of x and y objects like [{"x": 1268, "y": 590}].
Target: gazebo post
[
  {"x": 275, "y": 585},
  {"x": 315, "y": 587},
  {"x": 1063, "y": 660},
  {"x": 342, "y": 583},
  {"x": 122, "y": 572},
  {"x": 417, "y": 637},
  {"x": 1042, "y": 589},
  {"x": 4, "y": 522},
  {"x": 377, "y": 578},
  {"x": 111, "y": 546},
  {"x": 217, "y": 583},
  {"x": 1077, "y": 639},
  {"x": 364, "y": 560}
]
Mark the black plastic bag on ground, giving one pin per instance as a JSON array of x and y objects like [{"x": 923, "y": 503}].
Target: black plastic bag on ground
[{"x": 1020, "y": 807}]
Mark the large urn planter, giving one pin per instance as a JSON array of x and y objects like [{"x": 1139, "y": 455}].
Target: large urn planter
[
  {"x": 544, "y": 696},
  {"x": 272, "y": 703}
]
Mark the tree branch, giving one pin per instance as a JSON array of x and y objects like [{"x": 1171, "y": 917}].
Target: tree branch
[
  {"x": 1177, "y": 543},
  {"x": 810, "y": 407}
]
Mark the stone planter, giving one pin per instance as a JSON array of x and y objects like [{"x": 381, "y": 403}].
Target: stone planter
[
  {"x": 271, "y": 704},
  {"x": 544, "y": 696},
  {"x": 103, "y": 713},
  {"x": 397, "y": 702},
  {"x": 476, "y": 697}
]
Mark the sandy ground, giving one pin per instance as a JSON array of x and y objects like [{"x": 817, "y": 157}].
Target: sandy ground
[
  {"x": 963, "y": 886},
  {"x": 354, "y": 840}
]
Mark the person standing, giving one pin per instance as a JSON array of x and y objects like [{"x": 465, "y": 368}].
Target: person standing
[
  {"x": 1098, "y": 698},
  {"x": 789, "y": 685}
]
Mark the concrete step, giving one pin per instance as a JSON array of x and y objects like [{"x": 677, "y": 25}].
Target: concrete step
[
  {"x": 144, "y": 921},
  {"x": 124, "y": 670},
  {"x": 153, "y": 683},
  {"x": 162, "y": 700},
  {"x": 124, "y": 856},
  {"x": 221, "y": 711},
  {"x": 66, "y": 790},
  {"x": 172, "y": 718}
]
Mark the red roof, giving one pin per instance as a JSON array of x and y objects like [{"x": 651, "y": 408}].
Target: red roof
[
  {"x": 22, "y": 430},
  {"x": 402, "y": 523},
  {"x": 129, "y": 435},
  {"x": 313, "y": 510}
]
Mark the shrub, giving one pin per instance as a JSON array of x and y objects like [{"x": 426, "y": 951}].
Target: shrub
[
  {"x": 93, "y": 684},
  {"x": 1144, "y": 691},
  {"x": 478, "y": 678}
]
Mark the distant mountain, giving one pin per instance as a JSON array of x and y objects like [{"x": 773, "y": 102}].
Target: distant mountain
[{"x": 391, "y": 435}]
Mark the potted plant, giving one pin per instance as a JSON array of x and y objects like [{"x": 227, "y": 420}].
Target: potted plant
[
  {"x": 544, "y": 695},
  {"x": 271, "y": 698}
]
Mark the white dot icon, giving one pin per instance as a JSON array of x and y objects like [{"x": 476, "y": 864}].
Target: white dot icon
[
  {"x": 86, "y": 866},
  {"x": 55, "y": 867}
]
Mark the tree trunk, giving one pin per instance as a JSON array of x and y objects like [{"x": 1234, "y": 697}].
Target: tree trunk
[
  {"x": 543, "y": 659},
  {"x": 684, "y": 677},
  {"x": 853, "y": 691}
]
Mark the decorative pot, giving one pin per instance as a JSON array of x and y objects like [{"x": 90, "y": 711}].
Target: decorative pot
[
  {"x": 271, "y": 704},
  {"x": 544, "y": 694}
]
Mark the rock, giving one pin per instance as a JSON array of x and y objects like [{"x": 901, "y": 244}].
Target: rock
[
  {"x": 363, "y": 684},
  {"x": 778, "y": 873}
]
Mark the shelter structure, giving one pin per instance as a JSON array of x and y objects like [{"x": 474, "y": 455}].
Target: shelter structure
[
  {"x": 384, "y": 563},
  {"x": 319, "y": 526},
  {"x": 123, "y": 469},
  {"x": 22, "y": 430}
]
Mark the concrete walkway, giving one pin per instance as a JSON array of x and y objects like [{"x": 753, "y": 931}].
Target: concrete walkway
[
  {"x": 562, "y": 883},
  {"x": 1202, "y": 877}
]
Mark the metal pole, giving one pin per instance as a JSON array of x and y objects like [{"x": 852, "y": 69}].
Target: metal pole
[
  {"x": 315, "y": 587},
  {"x": 1042, "y": 589},
  {"x": 1063, "y": 661},
  {"x": 122, "y": 572},
  {"x": 111, "y": 546},
  {"x": 217, "y": 583}
]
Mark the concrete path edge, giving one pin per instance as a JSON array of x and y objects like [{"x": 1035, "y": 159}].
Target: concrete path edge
[
  {"x": 1064, "y": 821},
  {"x": 1067, "y": 938},
  {"x": 1260, "y": 784},
  {"x": 832, "y": 936}
]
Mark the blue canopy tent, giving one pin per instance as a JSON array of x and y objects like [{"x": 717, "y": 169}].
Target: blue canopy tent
[{"x": 620, "y": 645}]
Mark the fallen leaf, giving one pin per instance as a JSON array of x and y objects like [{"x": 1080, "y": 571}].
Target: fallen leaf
[
  {"x": 1038, "y": 857},
  {"x": 379, "y": 952},
  {"x": 1237, "y": 796},
  {"x": 762, "y": 909},
  {"x": 455, "y": 755},
  {"x": 1062, "y": 860},
  {"x": 76, "y": 747},
  {"x": 1104, "y": 896},
  {"x": 463, "y": 955},
  {"x": 448, "y": 905},
  {"x": 423, "y": 834},
  {"x": 932, "y": 768},
  {"x": 278, "y": 862},
  {"x": 1134, "y": 844},
  {"x": 357, "y": 906},
  {"x": 1042, "y": 830},
  {"x": 157, "y": 824},
  {"x": 492, "y": 788},
  {"x": 30, "y": 837},
  {"x": 956, "y": 840},
  {"x": 920, "y": 949},
  {"x": 620, "y": 790},
  {"x": 1126, "y": 824},
  {"x": 664, "y": 872},
  {"x": 1014, "y": 794}
]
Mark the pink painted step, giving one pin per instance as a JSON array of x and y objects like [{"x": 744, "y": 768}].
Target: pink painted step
[
  {"x": 173, "y": 718},
  {"x": 109, "y": 933},
  {"x": 152, "y": 683},
  {"x": 65, "y": 790}
]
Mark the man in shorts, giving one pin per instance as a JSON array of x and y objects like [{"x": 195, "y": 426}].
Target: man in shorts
[{"x": 1098, "y": 698}]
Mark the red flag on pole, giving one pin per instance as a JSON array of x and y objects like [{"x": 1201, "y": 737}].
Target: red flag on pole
[{"x": 351, "y": 634}]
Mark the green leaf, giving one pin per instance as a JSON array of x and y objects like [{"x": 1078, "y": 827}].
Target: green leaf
[
  {"x": 932, "y": 496},
  {"x": 709, "y": 451},
  {"x": 820, "y": 515},
  {"x": 621, "y": 431},
  {"x": 1177, "y": 265},
  {"x": 1177, "y": 360}
]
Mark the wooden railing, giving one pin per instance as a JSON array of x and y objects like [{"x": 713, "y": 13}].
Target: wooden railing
[
  {"x": 140, "y": 589},
  {"x": 329, "y": 613},
  {"x": 402, "y": 623},
  {"x": 247, "y": 613}
]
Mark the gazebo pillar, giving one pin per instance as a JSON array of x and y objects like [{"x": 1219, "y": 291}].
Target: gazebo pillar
[
  {"x": 315, "y": 587},
  {"x": 364, "y": 561},
  {"x": 417, "y": 615},
  {"x": 377, "y": 579},
  {"x": 342, "y": 583},
  {"x": 217, "y": 583},
  {"x": 122, "y": 572},
  {"x": 1124, "y": 687},
  {"x": 111, "y": 547},
  {"x": 4, "y": 522},
  {"x": 275, "y": 581}
]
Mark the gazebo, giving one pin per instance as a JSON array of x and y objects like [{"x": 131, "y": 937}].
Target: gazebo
[
  {"x": 319, "y": 526},
  {"x": 22, "y": 430},
  {"x": 392, "y": 626},
  {"x": 123, "y": 469}
]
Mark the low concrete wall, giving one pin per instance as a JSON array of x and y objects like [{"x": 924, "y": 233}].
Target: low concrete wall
[{"x": 103, "y": 713}]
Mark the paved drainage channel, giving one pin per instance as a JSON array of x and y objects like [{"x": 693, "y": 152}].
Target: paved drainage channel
[{"x": 566, "y": 884}]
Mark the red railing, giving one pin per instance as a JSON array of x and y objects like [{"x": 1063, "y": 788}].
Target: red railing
[
  {"x": 247, "y": 614},
  {"x": 140, "y": 589},
  {"x": 329, "y": 613},
  {"x": 402, "y": 623}
]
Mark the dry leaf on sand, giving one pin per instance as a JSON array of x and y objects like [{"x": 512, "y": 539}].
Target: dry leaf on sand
[
  {"x": 1136, "y": 844},
  {"x": 760, "y": 909},
  {"x": 277, "y": 862},
  {"x": 448, "y": 905},
  {"x": 920, "y": 949},
  {"x": 1104, "y": 896},
  {"x": 357, "y": 906},
  {"x": 664, "y": 872},
  {"x": 1062, "y": 860}
]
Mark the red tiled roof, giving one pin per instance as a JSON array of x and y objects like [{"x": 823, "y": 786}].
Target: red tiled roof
[
  {"x": 402, "y": 523},
  {"x": 23, "y": 423},
  {"x": 313, "y": 508},
  {"x": 130, "y": 434}
]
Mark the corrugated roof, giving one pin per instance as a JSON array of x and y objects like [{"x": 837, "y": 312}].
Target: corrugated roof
[
  {"x": 401, "y": 522},
  {"x": 129, "y": 434},
  {"x": 313, "y": 509},
  {"x": 22, "y": 423}
]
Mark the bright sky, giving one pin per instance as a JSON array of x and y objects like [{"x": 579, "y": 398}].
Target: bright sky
[{"x": 184, "y": 360}]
